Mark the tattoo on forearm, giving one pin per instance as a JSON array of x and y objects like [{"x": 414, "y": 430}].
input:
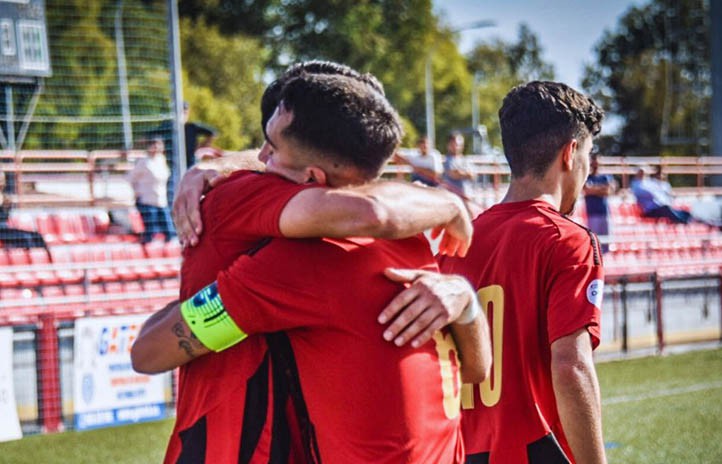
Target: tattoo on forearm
[{"x": 186, "y": 341}]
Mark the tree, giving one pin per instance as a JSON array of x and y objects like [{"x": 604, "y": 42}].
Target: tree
[
  {"x": 653, "y": 72},
  {"x": 389, "y": 38},
  {"x": 223, "y": 82},
  {"x": 498, "y": 66}
]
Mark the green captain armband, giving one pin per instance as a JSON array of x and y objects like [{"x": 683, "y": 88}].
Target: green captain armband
[{"x": 208, "y": 320}]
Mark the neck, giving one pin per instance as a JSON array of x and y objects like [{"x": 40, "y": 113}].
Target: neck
[{"x": 532, "y": 188}]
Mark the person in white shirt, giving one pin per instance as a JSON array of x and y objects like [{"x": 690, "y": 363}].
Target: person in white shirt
[
  {"x": 426, "y": 163},
  {"x": 149, "y": 178},
  {"x": 458, "y": 176}
]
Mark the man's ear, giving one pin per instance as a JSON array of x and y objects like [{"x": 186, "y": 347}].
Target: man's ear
[
  {"x": 567, "y": 154},
  {"x": 316, "y": 175}
]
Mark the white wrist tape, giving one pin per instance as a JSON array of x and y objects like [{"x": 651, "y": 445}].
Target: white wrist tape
[{"x": 470, "y": 312}]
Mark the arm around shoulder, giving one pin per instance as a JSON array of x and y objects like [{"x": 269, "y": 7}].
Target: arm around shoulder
[{"x": 382, "y": 209}]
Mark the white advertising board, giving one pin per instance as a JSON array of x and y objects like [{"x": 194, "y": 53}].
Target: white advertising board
[
  {"x": 9, "y": 424},
  {"x": 106, "y": 389}
]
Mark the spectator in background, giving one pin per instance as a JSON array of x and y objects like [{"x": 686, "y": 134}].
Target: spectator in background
[
  {"x": 596, "y": 190},
  {"x": 9, "y": 236},
  {"x": 199, "y": 138},
  {"x": 458, "y": 176},
  {"x": 148, "y": 179},
  {"x": 654, "y": 197},
  {"x": 426, "y": 163}
]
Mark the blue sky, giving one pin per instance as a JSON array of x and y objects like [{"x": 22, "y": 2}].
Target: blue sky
[{"x": 567, "y": 29}]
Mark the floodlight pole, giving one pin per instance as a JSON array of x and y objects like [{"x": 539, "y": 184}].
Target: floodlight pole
[
  {"x": 123, "y": 77},
  {"x": 179, "y": 143},
  {"x": 429, "y": 79}
]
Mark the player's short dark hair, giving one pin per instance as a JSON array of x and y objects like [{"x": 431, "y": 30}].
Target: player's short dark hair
[
  {"x": 342, "y": 119},
  {"x": 271, "y": 96},
  {"x": 538, "y": 118}
]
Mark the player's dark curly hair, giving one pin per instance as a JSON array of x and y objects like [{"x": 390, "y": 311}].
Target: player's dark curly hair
[
  {"x": 538, "y": 118},
  {"x": 271, "y": 96},
  {"x": 342, "y": 119}
]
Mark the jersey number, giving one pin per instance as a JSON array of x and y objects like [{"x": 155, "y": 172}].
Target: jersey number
[
  {"x": 492, "y": 301},
  {"x": 450, "y": 381}
]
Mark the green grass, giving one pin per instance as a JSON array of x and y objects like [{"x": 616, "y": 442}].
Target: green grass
[
  {"x": 663, "y": 409},
  {"x": 133, "y": 444},
  {"x": 657, "y": 410}
]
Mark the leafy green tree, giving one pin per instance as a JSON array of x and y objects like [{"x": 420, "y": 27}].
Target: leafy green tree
[
  {"x": 498, "y": 66},
  {"x": 653, "y": 72},
  {"x": 389, "y": 38},
  {"x": 223, "y": 82}
]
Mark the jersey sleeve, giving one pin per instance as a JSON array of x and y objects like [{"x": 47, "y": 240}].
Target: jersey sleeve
[
  {"x": 267, "y": 292},
  {"x": 251, "y": 205},
  {"x": 576, "y": 287}
]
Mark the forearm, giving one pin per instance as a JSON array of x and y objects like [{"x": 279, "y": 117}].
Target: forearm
[
  {"x": 382, "y": 209},
  {"x": 473, "y": 343},
  {"x": 165, "y": 342},
  {"x": 578, "y": 401}
]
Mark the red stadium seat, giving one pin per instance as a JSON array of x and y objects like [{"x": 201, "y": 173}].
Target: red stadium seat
[
  {"x": 22, "y": 220},
  {"x": 122, "y": 271},
  {"x": 70, "y": 227},
  {"x": 173, "y": 249},
  {"x": 7, "y": 279},
  {"x": 156, "y": 251},
  {"x": 61, "y": 255},
  {"x": 41, "y": 257},
  {"x": 48, "y": 228},
  {"x": 21, "y": 257}
]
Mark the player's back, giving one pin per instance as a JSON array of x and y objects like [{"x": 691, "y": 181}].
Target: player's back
[
  {"x": 368, "y": 400},
  {"x": 521, "y": 261},
  {"x": 218, "y": 392}
]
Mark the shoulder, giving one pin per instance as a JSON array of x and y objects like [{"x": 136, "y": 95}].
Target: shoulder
[{"x": 574, "y": 242}]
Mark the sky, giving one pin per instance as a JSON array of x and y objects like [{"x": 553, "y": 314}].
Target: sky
[{"x": 567, "y": 29}]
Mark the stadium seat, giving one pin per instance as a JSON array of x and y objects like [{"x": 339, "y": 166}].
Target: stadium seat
[
  {"x": 23, "y": 221},
  {"x": 67, "y": 272},
  {"x": 41, "y": 257},
  {"x": 48, "y": 228},
  {"x": 173, "y": 249},
  {"x": 157, "y": 251},
  {"x": 70, "y": 227}
]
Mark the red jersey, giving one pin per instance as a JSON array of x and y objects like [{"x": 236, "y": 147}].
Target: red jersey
[
  {"x": 224, "y": 409},
  {"x": 368, "y": 400},
  {"x": 539, "y": 277}
]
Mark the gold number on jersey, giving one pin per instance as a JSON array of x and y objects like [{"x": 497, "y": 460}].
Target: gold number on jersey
[
  {"x": 492, "y": 301},
  {"x": 450, "y": 381}
]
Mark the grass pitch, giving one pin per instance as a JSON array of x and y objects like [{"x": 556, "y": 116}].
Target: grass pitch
[{"x": 657, "y": 410}]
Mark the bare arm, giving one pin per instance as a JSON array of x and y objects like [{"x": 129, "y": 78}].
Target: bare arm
[
  {"x": 378, "y": 209},
  {"x": 196, "y": 182},
  {"x": 430, "y": 302},
  {"x": 165, "y": 342},
  {"x": 578, "y": 398},
  {"x": 382, "y": 209}
]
